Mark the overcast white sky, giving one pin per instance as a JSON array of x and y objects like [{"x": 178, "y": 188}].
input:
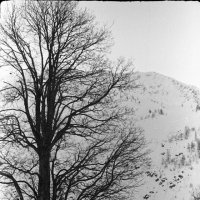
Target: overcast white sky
[{"x": 158, "y": 36}]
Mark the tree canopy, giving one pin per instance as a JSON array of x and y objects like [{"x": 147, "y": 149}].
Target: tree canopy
[{"x": 64, "y": 134}]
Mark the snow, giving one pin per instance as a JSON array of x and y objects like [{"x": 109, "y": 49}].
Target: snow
[
  {"x": 165, "y": 132},
  {"x": 166, "y": 110}
]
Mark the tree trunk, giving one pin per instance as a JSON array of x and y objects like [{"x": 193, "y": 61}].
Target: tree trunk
[{"x": 44, "y": 176}]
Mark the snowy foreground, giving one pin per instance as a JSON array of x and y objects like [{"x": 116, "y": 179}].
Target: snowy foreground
[{"x": 168, "y": 112}]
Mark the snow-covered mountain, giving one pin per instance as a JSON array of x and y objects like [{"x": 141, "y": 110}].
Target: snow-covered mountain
[{"x": 169, "y": 113}]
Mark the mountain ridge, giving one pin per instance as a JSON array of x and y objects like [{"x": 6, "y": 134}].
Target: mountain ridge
[
  {"x": 168, "y": 112},
  {"x": 149, "y": 73}
]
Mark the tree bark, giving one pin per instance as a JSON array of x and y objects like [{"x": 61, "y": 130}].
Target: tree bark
[{"x": 44, "y": 175}]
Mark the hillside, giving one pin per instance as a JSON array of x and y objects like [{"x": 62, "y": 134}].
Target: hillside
[{"x": 169, "y": 114}]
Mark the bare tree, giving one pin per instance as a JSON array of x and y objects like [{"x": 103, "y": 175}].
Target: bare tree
[{"x": 63, "y": 133}]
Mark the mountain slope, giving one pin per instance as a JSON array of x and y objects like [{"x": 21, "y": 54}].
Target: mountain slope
[{"x": 169, "y": 113}]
